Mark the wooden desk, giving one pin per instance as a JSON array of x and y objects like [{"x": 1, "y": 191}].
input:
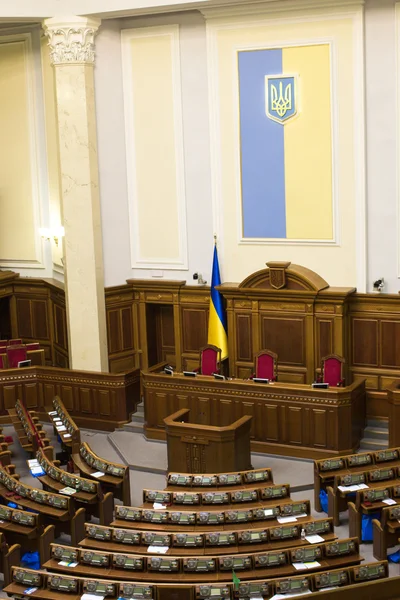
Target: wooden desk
[
  {"x": 288, "y": 419},
  {"x": 195, "y": 448},
  {"x": 102, "y": 401}
]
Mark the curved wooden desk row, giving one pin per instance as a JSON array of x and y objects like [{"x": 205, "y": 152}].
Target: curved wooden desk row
[
  {"x": 255, "y": 477},
  {"x": 115, "y": 476},
  {"x": 326, "y": 470},
  {"x": 366, "y": 581},
  {"x": 288, "y": 419},
  {"x": 212, "y": 516},
  {"x": 372, "y": 501},
  {"x": 119, "y": 539},
  {"x": 386, "y": 532},
  {"x": 25, "y": 528},
  {"x": 210, "y": 568},
  {"x": 222, "y": 496},
  {"x": 345, "y": 487},
  {"x": 58, "y": 479},
  {"x": 71, "y": 435},
  {"x": 27, "y": 427},
  {"x": 102, "y": 401}
]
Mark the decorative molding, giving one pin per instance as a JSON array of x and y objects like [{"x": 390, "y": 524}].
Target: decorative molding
[
  {"x": 138, "y": 261},
  {"x": 276, "y": 14},
  {"x": 335, "y": 240},
  {"x": 33, "y": 116},
  {"x": 269, "y": 7},
  {"x": 397, "y": 55},
  {"x": 360, "y": 151},
  {"x": 71, "y": 41}
]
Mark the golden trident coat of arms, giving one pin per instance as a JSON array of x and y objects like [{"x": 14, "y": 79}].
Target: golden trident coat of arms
[{"x": 281, "y": 99}]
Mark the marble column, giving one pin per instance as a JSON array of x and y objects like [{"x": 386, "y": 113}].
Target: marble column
[{"x": 71, "y": 43}]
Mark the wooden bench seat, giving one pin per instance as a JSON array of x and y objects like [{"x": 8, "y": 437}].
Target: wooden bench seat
[{"x": 363, "y": 582}]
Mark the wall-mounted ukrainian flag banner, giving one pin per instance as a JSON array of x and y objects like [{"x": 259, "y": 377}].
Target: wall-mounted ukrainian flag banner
[
  {"x": 286, "y": 143},
  {"x": 217, "y": 330}
]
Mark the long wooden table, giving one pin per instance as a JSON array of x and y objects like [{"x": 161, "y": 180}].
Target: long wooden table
[
  {"x": 102, "y": 401},
  {"x": 288, "y": 419}
]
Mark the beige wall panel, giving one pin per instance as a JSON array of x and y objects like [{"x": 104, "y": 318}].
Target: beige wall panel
[
  {"x": 342, "y": 263},
  {"x": 52, "y": 147},
  {"x": 155, "y": 146},
  {"x": 19, "y": 244}
]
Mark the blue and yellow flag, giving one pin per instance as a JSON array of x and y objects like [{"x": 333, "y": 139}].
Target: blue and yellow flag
[{"x": 217, "y": 321}]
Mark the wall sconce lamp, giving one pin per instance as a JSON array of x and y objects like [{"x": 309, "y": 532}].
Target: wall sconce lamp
[{"x": 55, "y": 233}]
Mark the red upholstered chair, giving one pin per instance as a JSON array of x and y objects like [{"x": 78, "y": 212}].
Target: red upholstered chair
[
  {"x": 14, "y": 355},
  {"x": 33, "y": 346},
  {"x": 3, "y": 360},
  {"x": 266, "y": 365},
  {"x": 210, "y": 360},
  {"x": 3, "y": 343},
  {"x": 332, "y": 370}
]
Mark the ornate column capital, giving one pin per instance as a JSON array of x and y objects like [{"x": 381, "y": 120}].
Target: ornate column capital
[{"x": 71, "y": 39}]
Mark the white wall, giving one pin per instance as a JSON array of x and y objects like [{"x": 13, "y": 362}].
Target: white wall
[
  {"x": 382, "y": 221},
  {"x": 381, "y": 161},
  {"x": 111, "y": 148}
]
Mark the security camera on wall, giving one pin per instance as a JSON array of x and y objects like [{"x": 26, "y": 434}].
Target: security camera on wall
[{"x": 378, "y": 285}]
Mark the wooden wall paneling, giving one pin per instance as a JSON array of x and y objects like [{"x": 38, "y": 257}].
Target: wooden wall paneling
[
  {"x": 374, "y": 346},
  {"x": 24, "y": 317},
  {"x": 167, "y": 333},
  {"x": 105, "y": 401},
  {"x": 309, "y": 342},
  {"x": 10, "y": 396},
  {"x": 31, "y": 396},
  {"x": 244, "y": 338},
  {"x": 96, "y": 400},
  {"x": 150, "y": 292},
  {"x": 194, "y": 328},
  {"x": 319, "y": 427},
  {"x": 294, "y": 422},
  {"x": 247, "y": 408},
  {"x": 324, "y": 339},
  {"x": 177, "y": 327},
  {"x": 59, "y": 328},
  {"x": 232, "y": 341},
  {"x": 389, "y": 344},
  {"x": 255, "y": 330},
  {"x": 269, "y": 423},
  {"x": 365, "y": 335},
  {"x": 225, "y": 411},
  {"x": 40, "y": 321},
  {"x": 86, "y": 404},
  {"x": 204, "y": 410},
  {"x": 122, "y": 351}
]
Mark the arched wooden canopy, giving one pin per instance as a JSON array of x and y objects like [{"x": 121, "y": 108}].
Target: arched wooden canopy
[{"x": 285, "y": 275}]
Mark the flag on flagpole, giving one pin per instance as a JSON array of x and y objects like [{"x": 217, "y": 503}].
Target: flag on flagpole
[
  {"x": 217, "y": 330},
  {"x": 235, "y": 580}
]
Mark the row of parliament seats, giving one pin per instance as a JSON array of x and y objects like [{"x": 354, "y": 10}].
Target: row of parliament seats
[
  {"x": 225, "y": 522},
  {"x": 237, "y": 496},
  {"x": 364, "y": 470},
  {"x": 113, "y": 477},
  {"x": 197, "y": 568},
  {"x": 201, "y": 540},
  {"x": 366, "y": 581},
  {"x": 28, "y": 429},
  {"x": 223, "y": 481},
  {"x": 386, "y": 531}
]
